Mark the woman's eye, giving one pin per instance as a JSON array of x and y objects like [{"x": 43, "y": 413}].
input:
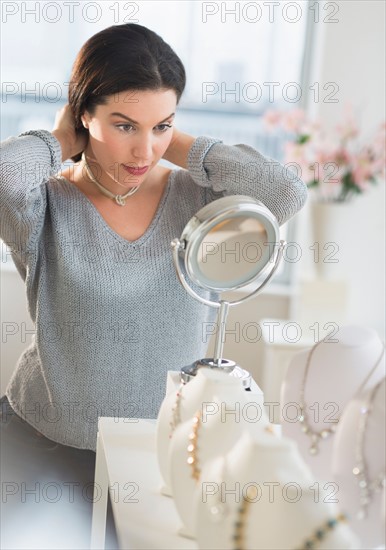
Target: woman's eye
[
  {"x": 128, "y": 127},
  {"x": 123, "y": 127},
  {"x": 163, "y": 127}
]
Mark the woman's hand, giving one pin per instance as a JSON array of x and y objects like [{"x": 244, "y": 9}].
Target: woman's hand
[
  {"x": 178, "y": 149},
  {"x": 72, "y": 142}
]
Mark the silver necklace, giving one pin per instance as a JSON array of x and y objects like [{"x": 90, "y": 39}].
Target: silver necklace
[
  {"x": 307, "y": 429},
  {"x": 366, "y": 486},
  {"x": 119, "y": 199}
]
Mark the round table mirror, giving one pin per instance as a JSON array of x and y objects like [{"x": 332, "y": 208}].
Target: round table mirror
[{"x": 229, "y": 244}]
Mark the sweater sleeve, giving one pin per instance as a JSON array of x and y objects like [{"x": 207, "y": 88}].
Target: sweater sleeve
[
  {"x": 27, "y": 162},
  {"x": 242, "y": 170}
]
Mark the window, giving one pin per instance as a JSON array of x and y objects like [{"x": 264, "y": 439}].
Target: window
[{"x": 240, "y": 59}]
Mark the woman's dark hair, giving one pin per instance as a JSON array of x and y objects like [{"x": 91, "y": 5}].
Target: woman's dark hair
[{"x": 120, "y": 58}]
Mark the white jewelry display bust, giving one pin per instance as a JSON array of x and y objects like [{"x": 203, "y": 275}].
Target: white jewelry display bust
[
  {"x": 217, "y": 432},
  {"x": 336, "y": 372},
  {"x": 371, "y": 529},
  {"x": 286, "y": 512},
  {"x": 202, "y": 389}
]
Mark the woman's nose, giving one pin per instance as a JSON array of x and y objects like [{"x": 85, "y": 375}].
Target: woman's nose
[{"x": 143, "y": 149}]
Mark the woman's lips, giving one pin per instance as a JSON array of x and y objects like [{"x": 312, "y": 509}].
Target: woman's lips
[{"x": 136, "y": 171}]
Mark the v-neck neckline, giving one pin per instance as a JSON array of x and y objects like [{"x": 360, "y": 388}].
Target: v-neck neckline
[{"x": 151, "y": 226}]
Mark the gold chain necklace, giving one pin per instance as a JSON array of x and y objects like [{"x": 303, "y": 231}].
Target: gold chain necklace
[{"x": 119, "y": 199}]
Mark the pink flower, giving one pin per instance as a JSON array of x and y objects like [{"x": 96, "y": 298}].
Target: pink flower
[
  {"x": 272, "y": 118},
  {"x": 294, "y": 120},
  {"x": 342, "y": 156},
  {"x": 362, "y": 170},
  {"x": 311, "y": 128},
  {"x": 296, "y": 154},
  {"x": 325, "y": 151},
  {"x": 331, "y": 162},
  {"x": 347, "y": 130}
]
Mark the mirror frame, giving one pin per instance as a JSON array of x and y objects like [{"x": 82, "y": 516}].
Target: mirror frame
[{"x": 214, "y": 213}]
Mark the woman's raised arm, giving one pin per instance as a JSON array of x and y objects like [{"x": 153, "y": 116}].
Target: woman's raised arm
[
  {"x": 239, "y": 170},
  {"x": 26, "y": 163}
]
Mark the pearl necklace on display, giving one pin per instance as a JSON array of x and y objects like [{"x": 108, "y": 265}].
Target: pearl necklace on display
[
  {"x": 366, "y": 486},
  {"x": 176, "y": 411},
  {"x": 307, "y": 429},
  {"x": 119, "y": 199},
  {"x": 192, "y": 459},
  {"x": 217, "y": 507},
  {"x": 192, "y": 447}
]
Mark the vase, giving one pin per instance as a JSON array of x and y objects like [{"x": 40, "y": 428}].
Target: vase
[{"x": 330, "y": 222}]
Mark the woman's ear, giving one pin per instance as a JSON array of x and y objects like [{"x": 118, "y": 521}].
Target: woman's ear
[{"x": 85, "y": 120}]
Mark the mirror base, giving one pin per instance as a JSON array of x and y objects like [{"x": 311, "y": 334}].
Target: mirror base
[{"x": 189, "y": 371}]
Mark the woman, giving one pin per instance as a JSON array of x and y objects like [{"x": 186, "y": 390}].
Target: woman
[{"x": 93, "y": 243}]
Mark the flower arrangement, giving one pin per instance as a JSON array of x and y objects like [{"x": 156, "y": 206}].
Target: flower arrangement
[{"x": 333, "y": 164}]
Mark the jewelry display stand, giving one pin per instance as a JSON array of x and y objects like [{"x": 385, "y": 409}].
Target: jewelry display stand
[
  {"x": 197, "y": 441},
  {"x": 284, "y": 511},
  {"x": 181, "y": 405},
  {"x": 298, "y": 513},
  {"x": 336, "y": 372},
  {"x": 360, "y": 448}
]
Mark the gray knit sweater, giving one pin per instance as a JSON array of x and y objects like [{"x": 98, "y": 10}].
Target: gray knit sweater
[{"x": 110, "y": 316}]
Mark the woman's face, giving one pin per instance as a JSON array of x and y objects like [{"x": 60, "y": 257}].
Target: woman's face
[{"x": 134, "y": 130}]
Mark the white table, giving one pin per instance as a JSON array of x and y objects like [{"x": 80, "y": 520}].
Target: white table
[{"x": 126, "y": 466}]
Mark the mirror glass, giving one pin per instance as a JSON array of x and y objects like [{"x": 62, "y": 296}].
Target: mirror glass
[
  {"x": 231, "y": 249},
  {"x": 232, "y": 252}
]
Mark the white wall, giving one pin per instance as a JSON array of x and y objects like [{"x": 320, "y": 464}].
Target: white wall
[{"x": 351, "y": 53}]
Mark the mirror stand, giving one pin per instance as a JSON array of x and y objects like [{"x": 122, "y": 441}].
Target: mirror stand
[{"x": 218, "y": 361}]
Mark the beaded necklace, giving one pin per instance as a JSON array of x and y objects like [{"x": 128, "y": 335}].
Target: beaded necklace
[
  {"x": 311, "y": 542},
  {"x": 176, "y": 411},
  {"x": 306, "y": 428},
  {"x": 192, "y": 447},
  {"x": 367, "y": 487}
]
